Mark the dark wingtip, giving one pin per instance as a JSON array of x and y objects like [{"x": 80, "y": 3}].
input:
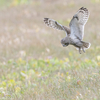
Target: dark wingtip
[
  {"x": 83, "y": 8},
  {"x": 46, "y": 19}
]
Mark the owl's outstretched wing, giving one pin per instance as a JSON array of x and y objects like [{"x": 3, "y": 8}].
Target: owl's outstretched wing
[
  {"x": 54, "y": 24},
  {"x": 78, "y": 22}
]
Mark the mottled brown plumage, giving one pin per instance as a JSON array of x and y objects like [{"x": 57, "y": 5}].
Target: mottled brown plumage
[{"x": 75, "y": 31}]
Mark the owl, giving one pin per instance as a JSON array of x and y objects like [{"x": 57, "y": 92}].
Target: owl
[{"x": 75, "y": 31}]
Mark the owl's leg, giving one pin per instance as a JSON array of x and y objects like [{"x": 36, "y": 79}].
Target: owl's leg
[
  {"x": 80, "y": 50},
  {"x": 83, "y": 49}
]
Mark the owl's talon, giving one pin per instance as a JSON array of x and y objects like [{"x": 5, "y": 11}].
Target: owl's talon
[
  {"x": 83, "y": 49},
  {"x": 80, "y": 50}
]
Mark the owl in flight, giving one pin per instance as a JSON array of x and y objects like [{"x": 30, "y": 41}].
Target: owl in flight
[{"x": 75, "y": 31}]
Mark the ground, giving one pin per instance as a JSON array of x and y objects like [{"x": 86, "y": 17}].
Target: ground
[{"x": 34, "y": 64}]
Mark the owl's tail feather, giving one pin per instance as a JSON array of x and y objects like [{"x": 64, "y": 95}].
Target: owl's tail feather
[{"x": 86, "y": 45}]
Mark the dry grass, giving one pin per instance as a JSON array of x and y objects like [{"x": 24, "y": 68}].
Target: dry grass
[{"x": 24, "y": 35}]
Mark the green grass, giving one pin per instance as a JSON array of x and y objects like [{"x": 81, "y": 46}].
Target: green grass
[
  {"x": 4, "y": 3},
  {"x": 50, "y": 79}
]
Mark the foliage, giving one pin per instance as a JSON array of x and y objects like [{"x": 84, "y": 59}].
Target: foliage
[
  {"x": 50, "y": 78},
  {"x": 95, "y": 1},
  {"x": 18, "y": 2}
]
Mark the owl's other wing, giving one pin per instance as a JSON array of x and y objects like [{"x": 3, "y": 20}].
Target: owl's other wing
[
  {"x": 78, "y": 22},
  {"x": 54, "y": 24}
]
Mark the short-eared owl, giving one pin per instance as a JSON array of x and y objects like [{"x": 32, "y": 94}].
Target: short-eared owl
[{"x": 75, "y": 32}]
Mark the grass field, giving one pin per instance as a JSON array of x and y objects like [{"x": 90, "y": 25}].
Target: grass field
[{"x": 34, "y": 65}]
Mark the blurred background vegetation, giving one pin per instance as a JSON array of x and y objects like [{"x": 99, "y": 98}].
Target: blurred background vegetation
[
  {"x": 22, "y": 30},
  {"x": 34, "y": 65}
]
